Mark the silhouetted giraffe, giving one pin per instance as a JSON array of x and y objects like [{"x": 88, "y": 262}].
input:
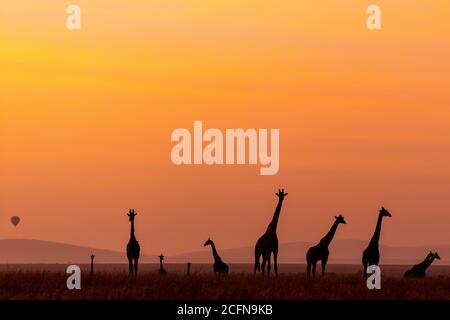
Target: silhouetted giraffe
[
  {"x": 92, "y": 264},
  {"x": 268, "y": 242},
  {"x": 320, "y": 251},
  {"x": 219, "y": 266},
  {"x": 371, "y": 255},
  {"x": 161, "y": 267},
  {"x": 133, "y": 248},
  {"x": 188, "y": 268},
  {"x": 419, "y": 270}
]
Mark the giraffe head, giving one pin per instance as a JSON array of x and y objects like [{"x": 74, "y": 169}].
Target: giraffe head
[
  {"x": 280, "y": 194},
  {"x": 436, "y": 256},
  {"x": 384, "y": 212},
  {"x": 161, "y": 257},
  {"x": 131, "y": 214},
  {"x": 208, "y": 242},
  {"x": 340, "y": 219}
]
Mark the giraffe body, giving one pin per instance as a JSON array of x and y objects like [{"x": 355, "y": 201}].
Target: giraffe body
[
  {"x": 371, "y": 255},
  {"x": 419, "y": 270},
  {"x": 219, "y": 266},
  {"x": 320, "y": 251},
  {"x": 267, "y": 244},
  {"x": 133, "y": 248}
]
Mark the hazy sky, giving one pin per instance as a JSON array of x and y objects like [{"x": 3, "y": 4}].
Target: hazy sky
[{"x": 86, "y": 118}]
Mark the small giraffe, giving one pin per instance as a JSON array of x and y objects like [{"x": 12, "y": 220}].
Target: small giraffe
[
  {"x": 320, "y": 251},
  {"x": 371, "y": 255},
  {"x": 92, "y": 264},
  {"x": 419, "y": 270},
  {"x": 188, "y": 268},
  {"x": 268, "y": 242},
  {"x": 133, "y": 248},
  {"x": 161, "y": 267},
  {"x": 219, "y": 266}
]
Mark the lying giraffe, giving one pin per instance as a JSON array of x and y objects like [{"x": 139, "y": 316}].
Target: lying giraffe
[
  {"x": 219, "y": 266},
  {"x": 419, "y": 270},
  {"x": 320, "y": 251}
]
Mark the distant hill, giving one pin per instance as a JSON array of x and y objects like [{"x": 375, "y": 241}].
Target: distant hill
[
  {"x": 38, "y": 251},
  {"x": 341, "y": 252},
  {"x": 18, "y": 251}
]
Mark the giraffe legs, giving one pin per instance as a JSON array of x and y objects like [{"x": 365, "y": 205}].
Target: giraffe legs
[
  {"x": 263, "y": 266},
  {"x": 133, "y": 268},
  {"x": 365, "y": 269},
  {"x": 275, "y": 262},
  {"x": 130, "y": 265},
  {"x": 257, "y": 264},
  {"x": 324, "y": 264},
  {"x": 314, "y": 268},
  {"x": 268, "y": 265},
  {"x": 136, "y": 265},
  {"x": 308, "y": 269},
  {"x": 365, "y": 263}
]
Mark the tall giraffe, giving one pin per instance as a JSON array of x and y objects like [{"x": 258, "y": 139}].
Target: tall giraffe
[
  {"x": 419, "y": 270},
  {"x": 371, "y": 255},
  {"x": 133, "y": 248},
  {"x": 320, "y": 251},
  {"x": 268, "y": 242},
  {"x": 219, "y": 266}
]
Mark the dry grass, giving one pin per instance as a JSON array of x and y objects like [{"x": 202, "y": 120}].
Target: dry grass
[{"x": 118, "y": 286}]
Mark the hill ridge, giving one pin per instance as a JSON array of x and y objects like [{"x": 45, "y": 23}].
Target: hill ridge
[{"x": 346, "y": 251}]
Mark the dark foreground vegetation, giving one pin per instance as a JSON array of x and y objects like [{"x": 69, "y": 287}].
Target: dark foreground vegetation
[{"x": 152, "y": 285}]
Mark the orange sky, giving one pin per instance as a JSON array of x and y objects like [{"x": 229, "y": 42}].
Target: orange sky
[{"x": 86, "y": 118}]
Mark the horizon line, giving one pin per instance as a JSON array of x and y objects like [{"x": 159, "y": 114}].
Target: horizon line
[{"x": 225, "y": 248}]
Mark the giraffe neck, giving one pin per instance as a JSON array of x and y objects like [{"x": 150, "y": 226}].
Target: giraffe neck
[
  {"x": 160, "y": 264},
  {"x": 429, "y": 256},
  {"x": 329, "y": 236},
  {"x": 132, "y": 230},
  {"x": 274, "y": 223},
  {"x": 214, "y": 252},
  {"x": 376, "y": 234},
  {"x": 427, "y": 262}
]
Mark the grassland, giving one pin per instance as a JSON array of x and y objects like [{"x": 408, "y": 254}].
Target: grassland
[{"x": 150, "y": 285}]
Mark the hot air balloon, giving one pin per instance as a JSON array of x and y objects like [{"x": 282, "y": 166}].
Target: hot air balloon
[{"x": 15, "y": 220}]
